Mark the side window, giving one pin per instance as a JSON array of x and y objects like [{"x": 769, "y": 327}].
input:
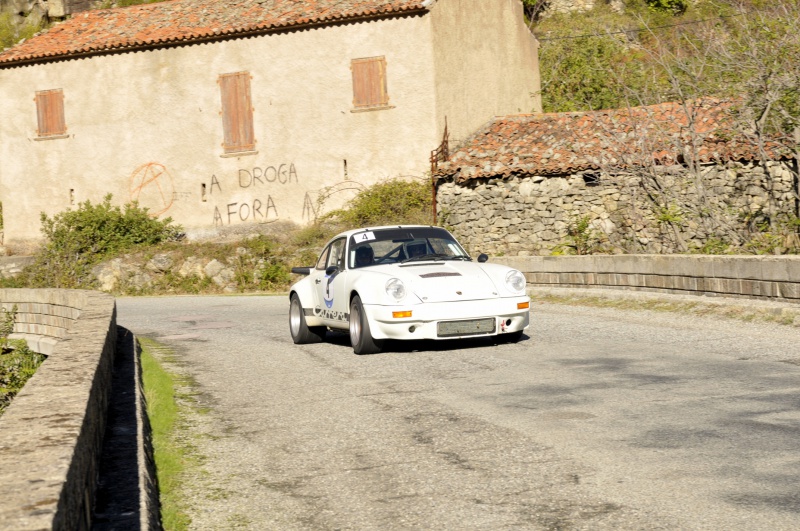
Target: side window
[
  {"x": 336, "y": 256},
  {"x": 237, "y": 112},
  {"x": 369, "y": 83},
  {"x": 323, "y": 258},
  {"x": 50, "y": 113}
]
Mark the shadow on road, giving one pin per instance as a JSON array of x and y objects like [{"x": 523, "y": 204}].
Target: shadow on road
[{"x": 342, "y": 339}]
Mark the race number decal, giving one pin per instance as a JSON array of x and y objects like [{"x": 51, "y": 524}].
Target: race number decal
[{"x": 364, "y": 237}]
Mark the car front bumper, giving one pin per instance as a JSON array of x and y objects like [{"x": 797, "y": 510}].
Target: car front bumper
[{"x": 425, "y": 319}]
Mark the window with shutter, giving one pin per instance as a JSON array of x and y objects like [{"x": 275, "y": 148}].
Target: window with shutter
[
  {"x": 369, "y": 83},
  {"x": 50, "y": 113},
  {"x": 237, "y": 112}
]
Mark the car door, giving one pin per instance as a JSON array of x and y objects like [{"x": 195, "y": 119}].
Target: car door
[{"x": 329, "y": 285}]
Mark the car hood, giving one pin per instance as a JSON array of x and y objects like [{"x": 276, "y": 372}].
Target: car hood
[{"x": 445, "y": 281}]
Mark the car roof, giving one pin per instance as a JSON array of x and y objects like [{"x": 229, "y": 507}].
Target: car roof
[{"x": 365, "y": 229}]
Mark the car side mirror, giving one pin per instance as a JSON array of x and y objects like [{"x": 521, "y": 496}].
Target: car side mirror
[
  {"x": 301, "y": 270},
  {"x": 331, "y": 270},
  {"x": 483, "y": 257}
]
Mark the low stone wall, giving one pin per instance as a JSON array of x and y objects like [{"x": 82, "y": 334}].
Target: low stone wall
[
  {"x": 663, "y": 212},
  {"x": 570, "y": 6},
  {"x": 762, "y": 277},
  {"x": 51, "y": 434}
]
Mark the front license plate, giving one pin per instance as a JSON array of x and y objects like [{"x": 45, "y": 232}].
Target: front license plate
[{"x": 465, "y": 328}]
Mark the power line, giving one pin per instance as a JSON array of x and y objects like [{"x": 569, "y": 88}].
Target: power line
[{"x": 637, "y": 30}]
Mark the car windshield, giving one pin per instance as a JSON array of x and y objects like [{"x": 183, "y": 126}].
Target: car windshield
[{"x": 388, "y": 246}]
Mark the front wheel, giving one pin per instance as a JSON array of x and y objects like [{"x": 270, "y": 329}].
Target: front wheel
[
  {"x": 360, "y": 336},
  {"x": 301, "y": 332}
]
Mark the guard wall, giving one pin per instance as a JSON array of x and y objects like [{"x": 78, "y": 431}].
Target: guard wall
[
  {"x": 51, "y": 435},
  {"x": 775, "y": 278}
]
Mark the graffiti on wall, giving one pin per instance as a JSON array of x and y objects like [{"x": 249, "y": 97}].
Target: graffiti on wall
[
  {"x": 152, "y": 186},
  {"x": 258, "y": 208},
  {"x": 309, "y": 211},
  {"x": 343, "y": 191},
  {"x": 282, "y": 174}
]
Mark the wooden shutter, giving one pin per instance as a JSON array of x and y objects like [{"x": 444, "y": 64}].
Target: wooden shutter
[
  {"x": 369, "y": 82},
  {"x": 237, "y": 112},
  {"x": 50, "y": 112}
]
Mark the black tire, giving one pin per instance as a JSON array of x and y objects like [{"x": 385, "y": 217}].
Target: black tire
[
  {"x": 301, "y": 332},
  {"x": 360, "y": 336}
]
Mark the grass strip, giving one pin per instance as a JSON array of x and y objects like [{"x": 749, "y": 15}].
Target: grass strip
[{"x": 172, "y": 457}]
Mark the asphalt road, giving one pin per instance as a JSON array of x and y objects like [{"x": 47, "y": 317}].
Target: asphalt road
[{"x": 599, "y": 419}]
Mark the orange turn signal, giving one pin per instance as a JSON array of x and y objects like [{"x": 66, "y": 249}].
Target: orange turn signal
[
  {"x": 523, "y": 305},
  {"x": 400, "y": 315}
]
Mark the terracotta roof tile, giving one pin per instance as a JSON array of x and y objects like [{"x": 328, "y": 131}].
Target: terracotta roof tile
[
  {"x": 185, "y": 21},
  {"x": 563, "y": 143}
]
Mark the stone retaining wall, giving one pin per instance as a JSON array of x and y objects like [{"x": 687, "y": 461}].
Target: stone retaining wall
[
  {"x": 666, "y": 211},
  {"x": 12, "y": 265},
  {"x": 772, "y": 278},
  {"x": 51, "y": 434}
]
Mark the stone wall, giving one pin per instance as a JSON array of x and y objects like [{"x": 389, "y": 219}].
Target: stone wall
[
  {"x": 570, "y": 6},
  {"x": 12, "y": 265},
  {"x": 666, "y": 210},
  {"x": 51, "y": 434},
  {"x": 775, "y": 278},
  {"x": 36, "y": 11}
]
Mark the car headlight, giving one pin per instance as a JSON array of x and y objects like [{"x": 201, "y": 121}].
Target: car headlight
[
  {"x": 396, "y": 289},
  {"x": 515, "y": 280}
]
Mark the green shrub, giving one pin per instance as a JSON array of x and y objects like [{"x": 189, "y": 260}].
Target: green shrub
[
  {"x": 714, "y": 245},
  {"x": 17, "y": 362},
  {"x": 392, "y": 202},
  {"x": 102, "y": 229},
  {"x": 262, "y": 266},
  {"x": 581, "y": 238},
  {"x": 76, "y": 240}
]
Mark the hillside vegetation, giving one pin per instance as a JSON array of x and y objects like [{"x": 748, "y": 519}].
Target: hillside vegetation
[
  {"x": 675, "y": 50},
  {"x": 79, "y": 244}
]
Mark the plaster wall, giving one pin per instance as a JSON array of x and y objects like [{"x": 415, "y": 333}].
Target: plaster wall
[
  {"x": 146, "y": 125},
  {"x": 486, "y": 64}
]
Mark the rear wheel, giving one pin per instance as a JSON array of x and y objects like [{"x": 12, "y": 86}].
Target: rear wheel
[
  {"x": 301, "y": 332},
  {"x": 360, "y": 336}
]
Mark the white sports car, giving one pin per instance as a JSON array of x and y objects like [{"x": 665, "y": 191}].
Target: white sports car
[{"x": 405, "y": 282}]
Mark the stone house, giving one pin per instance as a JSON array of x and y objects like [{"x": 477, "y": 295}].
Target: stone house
[
  {"x": 223, "y": 114},
  {"x": 659, "y": 179}
]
